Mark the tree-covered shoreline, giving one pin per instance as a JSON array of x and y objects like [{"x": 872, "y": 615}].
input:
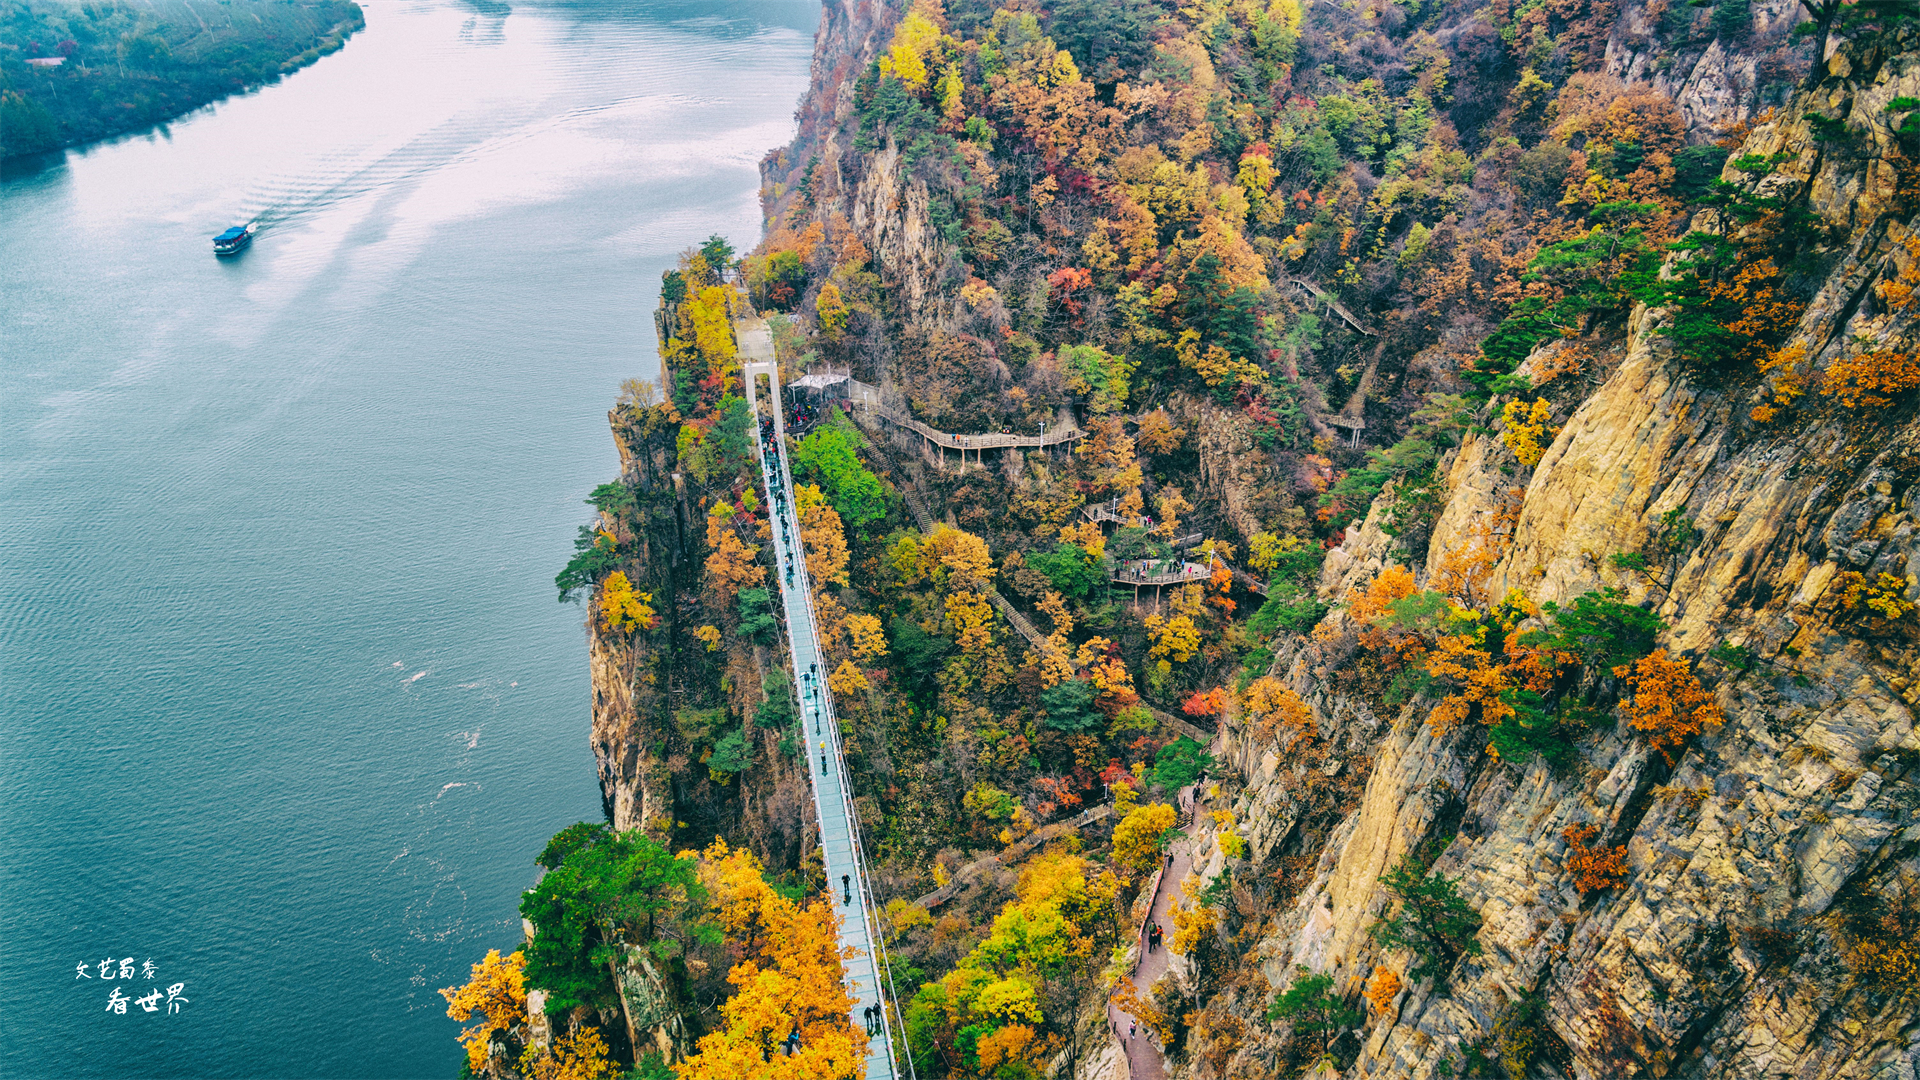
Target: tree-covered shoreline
[{"x": 125, "y": 65}]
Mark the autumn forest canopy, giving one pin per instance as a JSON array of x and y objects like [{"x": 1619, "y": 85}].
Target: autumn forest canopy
[{"x": 1304, "y": 278}]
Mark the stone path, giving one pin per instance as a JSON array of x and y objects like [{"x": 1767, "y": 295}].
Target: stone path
[{"x": 1144, "y": 1060}]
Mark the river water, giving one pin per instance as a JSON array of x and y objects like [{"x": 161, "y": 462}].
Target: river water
[{"x": 286, "y": 704}]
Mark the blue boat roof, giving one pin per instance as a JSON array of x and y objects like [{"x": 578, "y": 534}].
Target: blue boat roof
[{"x": 234, "y": 233}]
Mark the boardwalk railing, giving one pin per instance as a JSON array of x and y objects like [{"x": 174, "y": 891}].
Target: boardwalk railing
[
  {"x": 1020, "y": 847},
  {"x": 1322, "y": 296},
  {"x": 1135, "y": 574},
  {"x": 868, "y": 396}
]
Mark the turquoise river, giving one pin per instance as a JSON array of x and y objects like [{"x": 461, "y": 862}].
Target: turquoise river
[{"x": 287, "y": 705}]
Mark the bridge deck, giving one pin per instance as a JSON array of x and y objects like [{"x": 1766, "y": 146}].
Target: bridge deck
[{"x": 847, "y": 881}]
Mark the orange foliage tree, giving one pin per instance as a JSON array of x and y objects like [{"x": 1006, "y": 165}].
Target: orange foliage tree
[
  {"x": 1205, "y": 702},
  {"x": 1871, "y": 379},
  {"x": 1668, "y": 703},
  {"x": 1593, "y": 868},
  {"x": 1394, "y": 582},
  {"x": 731, "y": 565},
  {"x": 790, "y": 978},
  {"x": 1382, "y": 987},
  {"x": 822, "y": 536}
]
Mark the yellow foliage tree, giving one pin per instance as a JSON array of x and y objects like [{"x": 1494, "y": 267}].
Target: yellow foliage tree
[
  {"x": 914, "y": 40},
  {"x": 968, "y": 562},
  {"x": 1054, "y": 606},
  {"x": 1170, "y": 503},
  {"x": 1136, "y": 840},
  {"x": 791, "y": 978},
  {"x": 1885, "y": 597},
  {"x": 1087, "y": 536},
  {"x": 1272, "y": 704},
  {"x": 1668, "y": 703},
  {"x": 848, "y": 679},
  {"x": 1527, "y": 430},
  {"x": 1216, "y": 366},
  {"x": 904, "y": 559},
  {"x": 1193, "y": 920},
  {"x": 1176, "y": 639},
  {"x": 709, "y": 636},
  {"x": 580, "y": 1054},
  {"x": 865, "y": 633},
  {"x": 712, "y": 319},
  {"x": 831, "y": 309},
  {"x": 969, "y": 615},
  {"x": 1008, "y": 999},
  {"x": 621, "y": 608},
  {"x": 1265, "y": 550},
  {"x": 497, "y": 991}
]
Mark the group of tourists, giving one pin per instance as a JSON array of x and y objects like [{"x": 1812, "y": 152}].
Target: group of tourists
[{"x": 801, "y": 417}]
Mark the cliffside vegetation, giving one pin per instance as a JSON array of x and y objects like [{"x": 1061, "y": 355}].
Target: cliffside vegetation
[
  {"x": 73, "y": 73},
  {"x": 1492, "y": 504}
]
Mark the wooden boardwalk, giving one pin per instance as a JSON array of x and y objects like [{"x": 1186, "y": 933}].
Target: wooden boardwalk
[
  {"x": 1131, "y": 573},
  {"x": 1326, "y": 298},
  {"x": 867, "y": 396},
  {"x": 1012, "y": 854},
  {"x": 917, "y": 507}
]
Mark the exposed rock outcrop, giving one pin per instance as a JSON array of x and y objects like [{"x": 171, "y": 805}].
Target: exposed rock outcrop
[
  {"x": 1718, "y": 82},
  {"x": 1717, "y": 956}
]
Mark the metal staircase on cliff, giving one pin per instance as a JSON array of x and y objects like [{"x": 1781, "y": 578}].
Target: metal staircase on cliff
[{"x": 847, "y": 882}]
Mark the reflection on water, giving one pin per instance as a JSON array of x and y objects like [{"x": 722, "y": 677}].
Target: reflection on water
[{"x": 287, "y": 704}]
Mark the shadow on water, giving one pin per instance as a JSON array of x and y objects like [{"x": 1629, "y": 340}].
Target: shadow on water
[{"x": 29, "y": 168}]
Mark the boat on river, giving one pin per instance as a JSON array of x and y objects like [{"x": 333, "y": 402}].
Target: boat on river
[{"x": 233, "y": 241}]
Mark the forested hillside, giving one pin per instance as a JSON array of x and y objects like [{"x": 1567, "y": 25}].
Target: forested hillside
[
  {"x": 1485, "y": 562},
  {"x": 72, "y": 73}
]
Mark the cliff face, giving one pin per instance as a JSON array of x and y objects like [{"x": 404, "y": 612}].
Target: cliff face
[
  {"x": 1720, "y": 954},
  {"x": 629, "y": 727},
  {"x": 851, "y": 34},
  {"x": 649, "y": 745},
  {"x": 1713, "y": 81},
  {"x": 1001, "y": 270}
]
